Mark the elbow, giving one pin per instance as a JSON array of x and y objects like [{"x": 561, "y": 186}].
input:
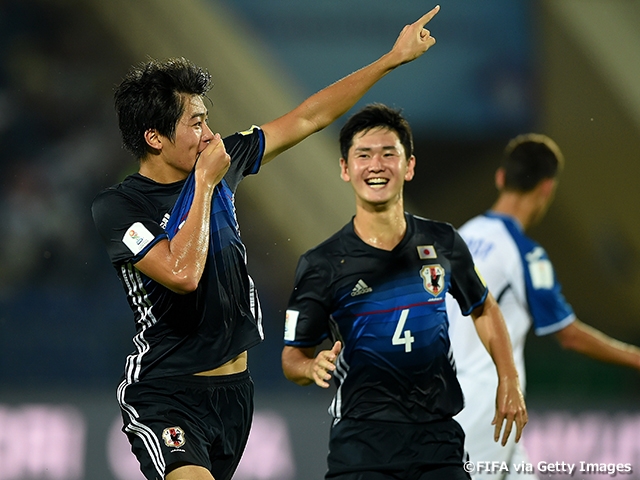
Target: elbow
[
  {"x": 184, "y": 286},
  {"x": 567, "y": 339},
  {"x": 302, "y": 381},
  {"x": 292, "y": 374},
  {"x": 295, "y": 379}
]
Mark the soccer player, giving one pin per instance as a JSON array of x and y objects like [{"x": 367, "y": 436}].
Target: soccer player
[
  {"x": 171, "y": 233},
  {"x": 520, "y": 275},
  {"x": 377, "y": 290}
]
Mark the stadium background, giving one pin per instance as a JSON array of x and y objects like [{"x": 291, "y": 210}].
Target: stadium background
[{"x": 568, "y": 68}]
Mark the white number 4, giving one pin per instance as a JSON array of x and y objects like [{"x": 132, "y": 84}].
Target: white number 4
[{"x": 401, "y": 337}]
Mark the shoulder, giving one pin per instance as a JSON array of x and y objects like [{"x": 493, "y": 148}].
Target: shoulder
[
  {"x": 434, "y": 230},
  {"x": 108, "y": 198},
  {"x": 493, "y": 244},
  {"x": 130, "y": 191},
  {"x": 238, "y": 141},
  {"x": 480, "y": 225},
  {"x": 422, "y": 223},
  {"x": 332, "y": 246}
]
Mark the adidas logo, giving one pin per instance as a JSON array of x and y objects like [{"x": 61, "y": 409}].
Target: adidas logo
[{"x": 360, "y": 288}]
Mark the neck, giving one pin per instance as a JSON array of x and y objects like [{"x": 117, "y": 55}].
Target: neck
[
  {"x": 160, "y": 172},
  {"x": 383, "y": 228},
  {"x": 522, "y": 207}
]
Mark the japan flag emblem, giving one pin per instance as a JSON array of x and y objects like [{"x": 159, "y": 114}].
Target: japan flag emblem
[
  {"x": 173, "y": 437},
  {"x": 433, "y": 279},
  {"x": 426, "y": 251}
]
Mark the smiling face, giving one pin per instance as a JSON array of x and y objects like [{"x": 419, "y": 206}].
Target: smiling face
[
  {"x": 178, "y": 156},
  {"x": 377, "y": 168}
]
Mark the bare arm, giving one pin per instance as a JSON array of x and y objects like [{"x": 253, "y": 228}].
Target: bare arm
[
  {"x": 493, "y": 333},
  {"x": 593, "y": 343},
  {"x": 324, "y": 107},
  {"x": 302, "y": 367},
  {"x": 178, "y": 264}
]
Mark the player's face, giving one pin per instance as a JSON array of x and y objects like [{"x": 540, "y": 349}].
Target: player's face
[
  {"x": 191, "y": 138},
  {"x": 377, "y": 167}
]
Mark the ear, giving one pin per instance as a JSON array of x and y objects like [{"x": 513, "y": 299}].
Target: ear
[
  {"x": 411, "y": 166},
  {"x": 547, "y": 187},
  {"x": 499, "y": 178},
  {"x": 344, "y": 170},
  {"x": 153, "y": 139}
]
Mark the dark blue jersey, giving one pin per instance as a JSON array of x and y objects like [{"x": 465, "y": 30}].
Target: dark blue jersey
[
  {"x": 184, "y": 334},
  {"x": 388, "y": 309}
]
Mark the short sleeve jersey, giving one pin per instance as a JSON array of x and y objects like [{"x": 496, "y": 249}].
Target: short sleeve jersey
[
  {"x": 520, "y": 275},
  {"x": 387, "y": 308},
  {"x": 184, "y": 334}
]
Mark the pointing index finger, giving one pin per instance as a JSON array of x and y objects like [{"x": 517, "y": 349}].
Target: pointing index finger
[{"x": 426, "y": 18}]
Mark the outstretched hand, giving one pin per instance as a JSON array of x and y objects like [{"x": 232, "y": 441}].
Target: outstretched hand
[
  {"x": 414, "y": 39},
  {"x": 510, "y": 409},
  {"x": 323, "y": 365}
]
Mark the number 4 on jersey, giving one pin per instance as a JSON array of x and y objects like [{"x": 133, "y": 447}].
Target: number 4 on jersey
[{"x": 400, "y": 336}]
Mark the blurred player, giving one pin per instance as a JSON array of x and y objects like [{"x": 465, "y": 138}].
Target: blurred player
[
  {"x": 520, "y": 275},
  {"x": 172, "y": 235},
  {"x": 377, "y": 289}
]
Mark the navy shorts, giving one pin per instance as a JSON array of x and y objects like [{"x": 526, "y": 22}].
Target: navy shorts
[
  {"x": 188, "y": 420},
  {"x": 370, "y": 450}
]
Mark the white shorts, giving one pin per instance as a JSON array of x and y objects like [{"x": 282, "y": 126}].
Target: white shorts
[{"x": 475, "y": 420}]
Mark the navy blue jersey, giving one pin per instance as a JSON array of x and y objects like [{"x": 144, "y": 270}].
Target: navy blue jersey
[
  {"x": 388, "y": 309},
  {"x": 184, "y": 334}
]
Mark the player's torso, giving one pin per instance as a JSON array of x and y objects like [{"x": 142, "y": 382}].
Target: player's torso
[
  {"x": 389, "y": 311},
  {"x": 174, "y": 329}
]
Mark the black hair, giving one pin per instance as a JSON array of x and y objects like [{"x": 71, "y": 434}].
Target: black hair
[
  {"x": 152, "y": 95},
  {"x": 376, "y": 115},
  {"x": 529, "y": 159}
]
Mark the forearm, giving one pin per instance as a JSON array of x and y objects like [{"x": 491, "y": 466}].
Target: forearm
[
  {"x": 593, "y": 343},
  {"x": 190, "y": 246},
  {"x": 510, "y": 406},
  {"x": 297, "y": 364},
  {"x": 493, "y": 333},
  {"x": 321, "y": 109},
  {"x": 178, "y": 264},
  {"x": 332, "y": 102}
]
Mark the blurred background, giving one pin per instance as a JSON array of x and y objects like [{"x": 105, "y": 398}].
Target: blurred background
[{"x": 567, "y": 68}]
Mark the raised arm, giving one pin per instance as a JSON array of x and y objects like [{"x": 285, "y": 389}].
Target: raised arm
[
  {"x": 493, "y": 333},
  {"x": 324, "y": 107},
  {"x": 593, "y": 343}
]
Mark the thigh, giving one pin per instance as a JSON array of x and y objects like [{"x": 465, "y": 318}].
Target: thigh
[
  {"x": 161, "y": 428},
  {"x": 189, "y": 421},
  {"x": 233, "y": 402}
]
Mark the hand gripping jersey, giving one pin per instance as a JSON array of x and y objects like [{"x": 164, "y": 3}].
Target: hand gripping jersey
[
  {"x": 519, "y": 274},
  {"x": 184, "y": 334},
  {"x": 388, "y": 309}
]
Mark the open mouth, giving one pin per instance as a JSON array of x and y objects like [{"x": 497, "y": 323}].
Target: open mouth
[{"x": 377, "y": 182}]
